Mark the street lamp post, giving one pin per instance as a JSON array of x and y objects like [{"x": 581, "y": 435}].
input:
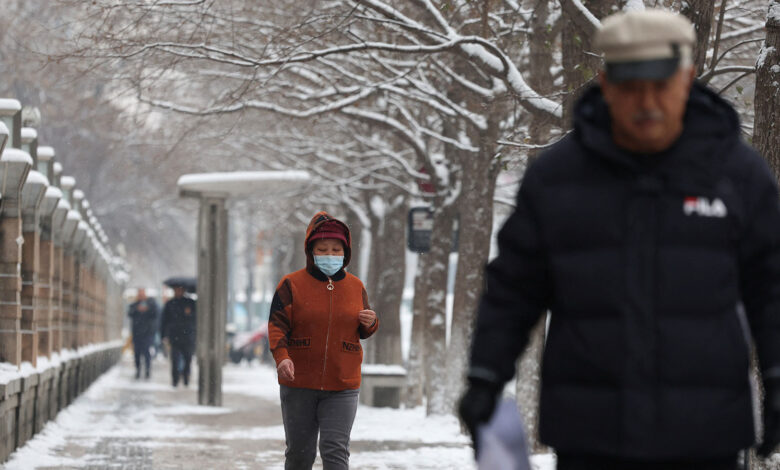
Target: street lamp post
[
  {"x": 78, "y": 264},
  {"x": 213, "y": 190},
  {"x": 58, "y": 239},
  {"x": 51, "y": 199},
  {"x": 72, "y": 219},
  {"x": 3, "y": 136},
  {"x": 33, "y": 192},
  {"x": 14, "y": 165}
]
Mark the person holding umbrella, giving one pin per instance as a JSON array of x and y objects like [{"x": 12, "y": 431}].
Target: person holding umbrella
[
  {"x": 319, "y": 314},
  {"x": 178, "y": 328}
]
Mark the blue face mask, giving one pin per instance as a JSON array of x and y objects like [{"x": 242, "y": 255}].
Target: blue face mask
[{"x": 329, "y": 265}]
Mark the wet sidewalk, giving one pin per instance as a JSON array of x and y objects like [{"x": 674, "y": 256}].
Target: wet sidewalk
[{"x": 123, "y": 423}]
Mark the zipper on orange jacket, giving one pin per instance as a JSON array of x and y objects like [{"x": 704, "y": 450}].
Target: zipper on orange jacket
[{"x": 327, "y": 335}]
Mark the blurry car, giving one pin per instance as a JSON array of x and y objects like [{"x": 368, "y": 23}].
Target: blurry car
[{"x": 249, "y": 345}]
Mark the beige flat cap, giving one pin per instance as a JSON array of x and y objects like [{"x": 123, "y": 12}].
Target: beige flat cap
[{"x": 643, "y": 44}]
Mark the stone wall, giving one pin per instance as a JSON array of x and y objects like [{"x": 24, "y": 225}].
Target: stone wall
[{"x": 30, "y": 397}]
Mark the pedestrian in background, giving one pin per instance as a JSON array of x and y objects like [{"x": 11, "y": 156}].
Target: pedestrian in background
[
  {"x": 178, "y": 327},
  {"x": 652, "y": 235},
  {"x": 144, "y": 316},
  {"x": 318, "y": 316}
]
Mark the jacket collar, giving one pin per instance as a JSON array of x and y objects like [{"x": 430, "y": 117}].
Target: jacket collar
[
  {"x": 320, "y": 276},
  {"x": 710, "y": 124}
]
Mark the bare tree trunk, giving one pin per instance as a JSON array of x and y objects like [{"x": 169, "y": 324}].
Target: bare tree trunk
[
  {"x": 435, "y": 335},
  {"x": 529, "y": 372},
  {"x": 475, "y": 224},
  {"x": 415, "y": 366},
  {"x": 766, "y": 136},
  {"x": 529, "y": 366},
  {"x": 766, "y": 130},
  {"x": 700, "y": 12},
  {"x": 580, "y": 60}
]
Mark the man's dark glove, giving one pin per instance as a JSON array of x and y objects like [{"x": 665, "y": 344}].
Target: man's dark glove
[
  {"x": 771, "y": 417},
  {"x": 477, "y": 406}
]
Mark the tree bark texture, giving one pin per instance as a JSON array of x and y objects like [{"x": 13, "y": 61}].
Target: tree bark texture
[
  {"x": 528, "y": 385},
  {"x": 766, "y": 130},
  {"x": 475, "y": 210},
  {"x": 435, "y": 335},
  {"x": 580, "y": 60},
  {"x": 415, "y": 366},
  {"x": 541, "y": 61},
  {"x": 700, "y": 12},
  {"x": 766, "y": 138},
  {"x": 529, "y": 366}
]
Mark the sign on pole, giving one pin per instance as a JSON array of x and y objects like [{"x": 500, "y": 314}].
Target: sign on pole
[{"x": 420, "y": 229}]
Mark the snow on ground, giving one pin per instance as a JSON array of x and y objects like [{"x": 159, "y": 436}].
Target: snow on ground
[{"x": 122, "y": 423}]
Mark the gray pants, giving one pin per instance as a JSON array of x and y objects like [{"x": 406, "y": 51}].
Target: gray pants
[{"x": 306, "y": 412}]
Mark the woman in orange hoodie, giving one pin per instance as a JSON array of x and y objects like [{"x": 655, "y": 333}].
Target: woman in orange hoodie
[{"x": 319, "y": 314}]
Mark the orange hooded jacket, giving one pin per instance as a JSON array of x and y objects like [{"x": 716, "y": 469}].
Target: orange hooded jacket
[{"x": 317, "y": 327}]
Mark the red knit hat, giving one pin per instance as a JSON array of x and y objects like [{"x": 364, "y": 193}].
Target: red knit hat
[{"x": 330, "y": 229}]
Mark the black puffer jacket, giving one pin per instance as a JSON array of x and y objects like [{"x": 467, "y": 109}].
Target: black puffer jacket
[
  {"x": 179, "y": 321},
  {"x": 644, "y": 263}
]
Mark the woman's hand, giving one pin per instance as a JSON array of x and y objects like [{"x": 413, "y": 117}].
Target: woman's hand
[
  {"x": 286, "y": 370},
  {"x": 367, "y": 318}
]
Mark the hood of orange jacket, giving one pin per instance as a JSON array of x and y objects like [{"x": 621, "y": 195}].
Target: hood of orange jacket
[{"x": 317, "y": 221}]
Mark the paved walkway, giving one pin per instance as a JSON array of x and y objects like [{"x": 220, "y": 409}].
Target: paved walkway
[{"x": 122, "y": 423}]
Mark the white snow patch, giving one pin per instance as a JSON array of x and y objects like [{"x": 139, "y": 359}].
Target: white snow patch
[
  {"x": 242, "y": 182},
  {"x": 378, "y": 206},
  {"x": 29, "y": 133},
  {"x": 763, "y": 54},
  {"x": 634, "y": 5},
  {"x": 424, "y": 458},
  {"x": 191, "y": 410},
  {"x": 774, "y": 12},
  {"x": 74, "y": 215},
  {"x": 7, "y": 104},
  {"x": 12, "y": 155},
  {"x": 35, "y": 177},
  {"x": 251, "y": 380},
  {"x": 587, "y": 14},
  {"x": 383, "y": 369},
  {"x": 53, "y": 192},
  {"x": 410, "y": 425},
  {"x": 45, "y": 153}
]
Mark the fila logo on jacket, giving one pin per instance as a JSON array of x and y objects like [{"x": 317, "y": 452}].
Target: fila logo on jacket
[{"x": 704, "y": 207}]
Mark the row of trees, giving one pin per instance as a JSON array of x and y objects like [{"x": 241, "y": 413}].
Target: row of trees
[{"x": 389, "y": 104}]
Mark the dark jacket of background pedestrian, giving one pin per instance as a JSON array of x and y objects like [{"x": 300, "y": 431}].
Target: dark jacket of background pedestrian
[
  {"x": 144, "y": 319},
  {"x": 179, "y": 321}
]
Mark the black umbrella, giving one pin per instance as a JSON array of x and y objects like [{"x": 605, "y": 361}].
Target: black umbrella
[{"x": 190, "y": 284}]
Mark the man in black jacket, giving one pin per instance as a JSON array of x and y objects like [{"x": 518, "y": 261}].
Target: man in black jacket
[
  {"x": 143, "y": 315},
  {"x": 652, "y": 235},
  {"x": 178, "y": 327}
]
